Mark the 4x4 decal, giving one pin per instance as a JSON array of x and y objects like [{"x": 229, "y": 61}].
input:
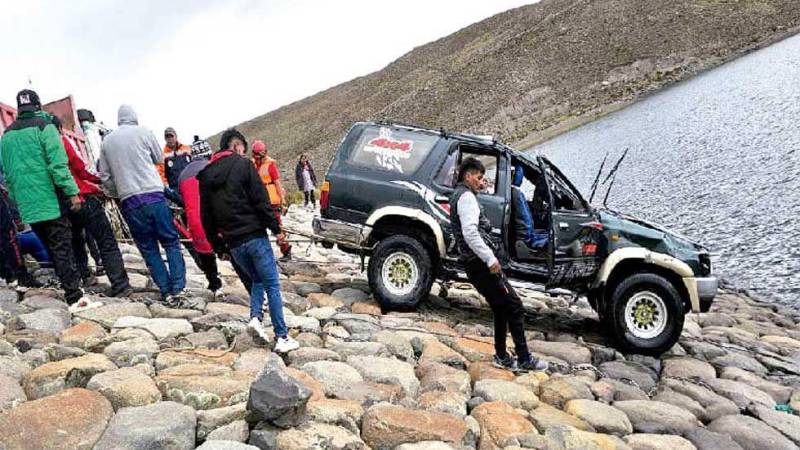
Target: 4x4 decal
[{"x": 388, "y": 151}]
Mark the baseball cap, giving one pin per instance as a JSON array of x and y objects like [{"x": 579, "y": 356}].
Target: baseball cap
[{"x": 28, "y": 101}]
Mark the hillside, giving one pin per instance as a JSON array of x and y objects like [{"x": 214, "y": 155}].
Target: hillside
[{"x": 534, "y": 71}]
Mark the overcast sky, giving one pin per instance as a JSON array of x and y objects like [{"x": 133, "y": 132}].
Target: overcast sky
[{"x": 203, "y": 65}]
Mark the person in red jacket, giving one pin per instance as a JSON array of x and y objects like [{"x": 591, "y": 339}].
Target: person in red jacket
[
  {"x": 189, "y": 189},
  {"x": 93, "y": 220}
]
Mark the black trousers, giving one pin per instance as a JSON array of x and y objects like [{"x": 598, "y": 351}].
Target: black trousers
[
  {"x": 92, "y": 220},
  {"x": 93, "y": 250},
  {"x": 507, "y": 309},
  {"x": 309, "y": 195},
  {"x": 207, "y": 262},
  {"x": 56, "y": 235},
  {"x": 11, "y": 264}
]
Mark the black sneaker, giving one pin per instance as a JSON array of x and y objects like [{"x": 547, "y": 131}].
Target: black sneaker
[
  {"x": 120, "y": 293},
  {"x": 533, "y": 365},
  {"x": 506, "y": 362}
]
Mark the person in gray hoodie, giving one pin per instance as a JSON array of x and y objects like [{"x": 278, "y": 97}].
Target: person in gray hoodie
[{"x": 127, "y": 167}]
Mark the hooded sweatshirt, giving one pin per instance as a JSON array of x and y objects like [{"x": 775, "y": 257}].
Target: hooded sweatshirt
[
  {"x": 128, "y": 158},
  {"x": 234, "y": 207}
]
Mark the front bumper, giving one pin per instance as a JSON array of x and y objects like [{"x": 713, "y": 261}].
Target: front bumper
[
  {"x": 343, "y": 233},
  {"x": 701, "y": 292}
]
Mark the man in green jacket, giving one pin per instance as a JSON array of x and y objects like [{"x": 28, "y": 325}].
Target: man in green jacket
[{"x": 39, "y": 181}]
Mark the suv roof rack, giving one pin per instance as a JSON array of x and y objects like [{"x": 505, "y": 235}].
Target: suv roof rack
[{"x": 479, "y": 139}]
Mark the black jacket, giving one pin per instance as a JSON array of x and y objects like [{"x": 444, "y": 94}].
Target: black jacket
[
  {"x": 233, "y": 202},
  {"x": 298, "y": 175}
]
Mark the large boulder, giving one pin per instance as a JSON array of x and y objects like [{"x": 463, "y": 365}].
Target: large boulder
[
  {"x": 740, "y": 393},
  {"x": 704, "y": 439},
  {"x": 236, "y": 431},
  {"x": 172, "y": 358},
  {"x": 644, "y": 377},
  {"x": 388, "y": 371},
  {"x": 11, "y": 393},
  {"x": 435, "y": 351},
  {"x": 751, "y": 434},
  {"x": 501, "y": 425},
  {"x": 546, "y": 416},
  {"x": 443, "y": 401},
  {"x": 14, "y": 367},
  {"x": 568, "y": 438},
  {"x": 310, "y": 354},
  {"x": 512, "y": 393},
  {"x": 78, "y": 335},
  {"x": 557, "y": 391},
  {"x": 106, "y": 315},
  {"x": 657, "y": 417},
  {"x": 343, "y": 413},
  {"x": 50, "y": 378},
  {"x": 686, "y": 367},
  {"x": 163, "y": 425},
  {"x": 788, "y": 424},
  {"x": 644, "y": 441},
  {"x": 441, "y": 377},
  {"x": 387, "y": 426},
  {"x": 570, "y": 352},
  {"x": 211, "y": 419},
  {"x": 132, "y": 351},
  {"x": 278, "y": 398},
  {"x": 74, "y": 419},
  {"x": 334, "y": 376},
  {"x": 50, "y": 320},
  {"x": 398, "y": 345},
  {"x": 778, "y": 392},
  {"x": 204, "y": 386},
  {"x": 159, "y": 328},
  {"x": 125, "y": 387},
  {"x": 715, "y": 405},
  {"x": 603, "y": 418}
]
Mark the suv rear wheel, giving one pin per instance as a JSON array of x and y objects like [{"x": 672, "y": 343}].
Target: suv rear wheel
[
  {"x": 647, "y": 313},
  {"x": 400, "y": 272}
]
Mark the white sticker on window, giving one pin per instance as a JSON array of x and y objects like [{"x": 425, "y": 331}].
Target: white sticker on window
[{"x": 389, "y": 151}]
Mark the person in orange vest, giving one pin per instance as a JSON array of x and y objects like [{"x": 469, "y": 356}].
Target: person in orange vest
[
  {"x": 176, "y": 157},
  {"x": 268, "y": 171}
]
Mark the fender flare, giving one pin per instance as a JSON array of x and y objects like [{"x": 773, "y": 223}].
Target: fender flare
[
  {"x": 665, "y": 261},
  {"x": 411, "y": 213}
]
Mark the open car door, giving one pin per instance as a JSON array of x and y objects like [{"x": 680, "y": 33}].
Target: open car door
[{"x": 575, "y": 231}]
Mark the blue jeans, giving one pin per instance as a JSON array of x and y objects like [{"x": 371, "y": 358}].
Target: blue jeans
[
  {"x": 150, "y": 225},
  {"x": 255, "y": 258}
]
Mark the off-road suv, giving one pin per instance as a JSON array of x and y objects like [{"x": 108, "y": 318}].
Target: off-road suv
[{"x": 386, "y": 195}]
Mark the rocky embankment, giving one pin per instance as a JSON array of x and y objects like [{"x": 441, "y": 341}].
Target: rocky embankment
[{"x": 135, "y": 374}]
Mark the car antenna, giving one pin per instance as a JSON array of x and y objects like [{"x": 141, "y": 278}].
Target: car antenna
[
  {"x": 613, "y": 174},
  {"x": 597, "y": 178}
]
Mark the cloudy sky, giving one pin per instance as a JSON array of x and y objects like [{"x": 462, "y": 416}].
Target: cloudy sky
[{"x": 203, "y": 65}]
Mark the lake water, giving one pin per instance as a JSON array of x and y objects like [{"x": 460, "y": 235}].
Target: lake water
[{"x": 716, "y": 158}]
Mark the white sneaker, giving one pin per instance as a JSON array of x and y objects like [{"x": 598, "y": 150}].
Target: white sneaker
[
  {"x": 83, "y": 304},
  {"x": 256, "y": 327},
  {"x": 286, "y": 344}
]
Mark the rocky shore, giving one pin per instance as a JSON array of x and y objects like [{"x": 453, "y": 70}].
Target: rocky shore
[{"x": 135, "y": 374}]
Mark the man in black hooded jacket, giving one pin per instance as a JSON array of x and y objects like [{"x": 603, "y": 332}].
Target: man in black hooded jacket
[{"x": 236, "y": 214}]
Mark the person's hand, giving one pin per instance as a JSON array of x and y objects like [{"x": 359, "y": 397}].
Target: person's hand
[
  {"x": 75, "y": 203},
  {"x": 496, "y": 268},
  {"x": 281, "y": 236}
]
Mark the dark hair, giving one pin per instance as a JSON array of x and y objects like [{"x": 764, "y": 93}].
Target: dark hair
[
  {"x": 57, "y": 122},
  {"x": 229, "y": 135},
  {"x": 470, "y": 165}
]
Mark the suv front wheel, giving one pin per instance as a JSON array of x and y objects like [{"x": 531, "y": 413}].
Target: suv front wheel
[
  {"x": 647, "y": 313},
  {"x": 400, "y": 272}
]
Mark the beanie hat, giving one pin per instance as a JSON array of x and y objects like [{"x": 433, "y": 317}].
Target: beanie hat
[
  {"x": 228, "y": 135},
  {"x": 259, "y": 147}
]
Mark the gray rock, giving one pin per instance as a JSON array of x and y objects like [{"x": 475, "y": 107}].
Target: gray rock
[
  {"x": 644, "y": 377},
  {"x": 740, "y": 393},
  {"x": 667, "y": 395},
  {"x": 106, "y": 315},
  {"x": 310, "y": 354},
  {"x": 512, "y": 393},
  {"x": 346, "y": 349},
  {"x": 294, "y": 302},
  {"x": 704, "y": 350},
  {"x": 787, "y": 424},
  {"x": 264, "y": 439},
  {"x": 349, "y": 295},
  {"x": 779, "y": 365},
  {"x": 388, "y": 371},
  {"x": 708, "y": 440},
  {"x": 159, "y": 328},
  {"x": 132, "y": 352},
  {"x": 163, "y": 425},
  {"x": 125, "y": 387},
  {"x": 211, "y": 419},
  {"x": 686, "y": 367},
  {"x": 778, "y": 392},
  {"x": 427, "y": 445},
  {"x": 321, "y": 313},
  {"x": 277, "y": 398},
  {"x": 657, "y": 417},
  {"x": 11, "y": 393},
  {"x": 603, "y": 418},
  {"x": 570, "y": 352},
  {"x": 252, "y": 361},
  {"x": 751, "y": 434},
  {"x": 304, "y": 288},
  {"x": 625, "y": 391},
  {"x": 213, "y": 339},
  {"x": 44, "y": 302},
  {"x": 557, "y": 391},
  {"x": 56, "y": 352},
  {"x": 226, "y": 445},
  {"x": 742, "y": 361},
  {"x": 715, "y": 405},
  {"x": 304, "y": 323},
  {"x": 50, "y": 320},
  {"x": 398, "y": 345},
  {"x": 319, "y": 436},
  {"x": 645, "y": 441},
  {"x": 237, "y": 431},
  {"x": 334, "y": 376}
]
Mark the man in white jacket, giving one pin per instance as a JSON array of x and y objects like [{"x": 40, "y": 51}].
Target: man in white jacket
[{"x": 477, "y": 248}]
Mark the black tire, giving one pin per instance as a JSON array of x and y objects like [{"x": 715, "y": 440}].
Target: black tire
[
  {"x": 657, "y": 296},
  {"x": 409, "y": 252}
]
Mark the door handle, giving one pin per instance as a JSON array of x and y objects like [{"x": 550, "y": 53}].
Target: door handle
[
  {"x": 563, "y": 225},
  {"x": 441, "y": 199}
]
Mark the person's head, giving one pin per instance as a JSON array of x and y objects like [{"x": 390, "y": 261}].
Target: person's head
[
  {"x": 259, "y": 150},
  {"x": 303, "y": 158},
  {"x": 28, "y": 101},
  {"x": 57, "y": 122},
  {"x": 196, "y": 138},
  {"x": 233, "y": 140},
  {"x": 471, "y": 172},
  {"x": 171, "y": 137},
  {"x": 127, "y": 116}
]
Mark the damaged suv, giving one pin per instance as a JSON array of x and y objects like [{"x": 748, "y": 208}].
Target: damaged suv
[{"x": 386, "y": 197}]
